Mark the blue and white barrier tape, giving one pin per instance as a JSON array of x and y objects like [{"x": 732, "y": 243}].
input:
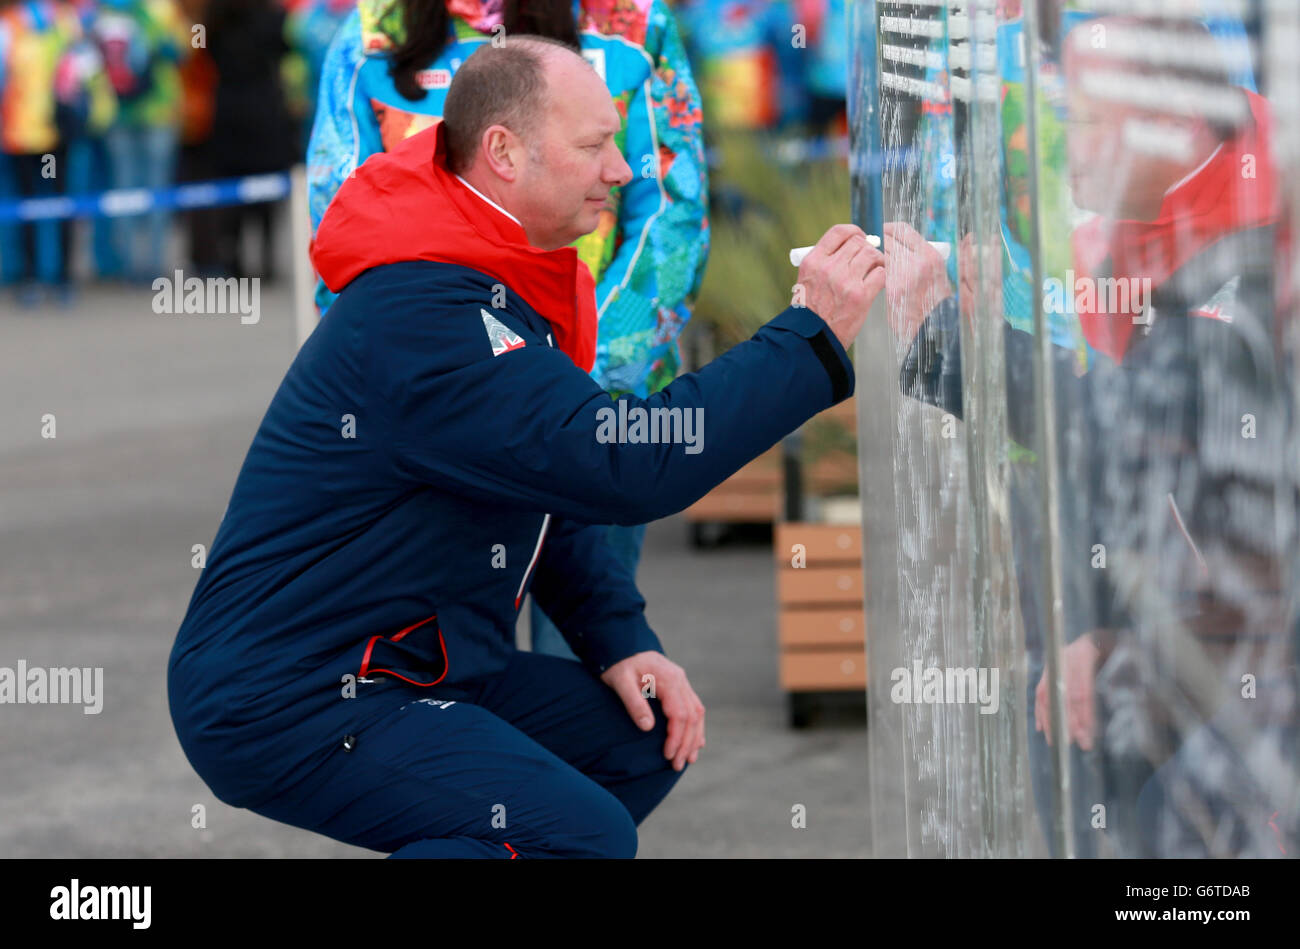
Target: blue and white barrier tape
[
  {"x": 254, "y": 189},
  {"x": 251, "y": 189}
]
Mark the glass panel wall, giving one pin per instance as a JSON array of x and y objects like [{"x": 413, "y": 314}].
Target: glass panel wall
[{"x": 1078, "y": 454}]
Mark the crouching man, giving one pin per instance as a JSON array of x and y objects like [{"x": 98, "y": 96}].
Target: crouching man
[{"x": 437, "y": 450}]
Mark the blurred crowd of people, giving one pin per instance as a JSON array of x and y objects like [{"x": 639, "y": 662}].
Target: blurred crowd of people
[
  {"x": 121, "y": 94},
  {"x": 764, "y": 65},
  {"x": 135, "y": 94}
]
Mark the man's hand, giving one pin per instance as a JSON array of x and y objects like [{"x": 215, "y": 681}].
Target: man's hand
[
  {"x": 917, "y": 279},
  {"x": 682, "y": 707},
  {"x": 970, "y": 274},
  {"x": 1080, "y": 711},
  {"x": 841, "y": 278}
]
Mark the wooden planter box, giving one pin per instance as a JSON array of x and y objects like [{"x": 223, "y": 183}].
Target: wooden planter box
[
  {"x": 755, "y": 493},
  {"x": 820, "y": 619},
  {"x": 751, "y": 496}
]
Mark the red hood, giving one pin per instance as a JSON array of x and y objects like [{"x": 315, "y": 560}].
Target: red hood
[
  {"x": 1217, "y": 201},
  {"x": 406, "y": 205}
]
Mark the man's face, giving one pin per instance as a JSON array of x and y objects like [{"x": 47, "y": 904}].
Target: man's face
[
  {"x": 573, "y": 161},
  {"x": 1107, "y": 174},
  {"x": 1100, "y": 167}
]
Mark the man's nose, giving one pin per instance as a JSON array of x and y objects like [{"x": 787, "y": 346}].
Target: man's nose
[{"x": 622, "y": 170}]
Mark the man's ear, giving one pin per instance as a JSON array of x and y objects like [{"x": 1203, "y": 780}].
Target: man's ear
[{"x": 503, "y": 152}]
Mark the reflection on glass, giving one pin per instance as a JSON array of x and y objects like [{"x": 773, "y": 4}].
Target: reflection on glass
[{"x": 1091, "y": 405}]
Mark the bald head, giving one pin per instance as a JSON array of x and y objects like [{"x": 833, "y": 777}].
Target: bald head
[
  {"x": 1139, "y": 125},
  {"x": 502, "y": 85},
  {"x": 532, "y": 127}
]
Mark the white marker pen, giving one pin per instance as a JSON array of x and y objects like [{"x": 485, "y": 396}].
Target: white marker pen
[{"x": 797, "y": 254}]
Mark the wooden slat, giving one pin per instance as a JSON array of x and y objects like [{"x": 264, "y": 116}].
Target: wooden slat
[
  {"x": 752, "y": 478},
  {"x": 830, "y": 670},
  {"x": 803, "y": 628},
  {"x": 736, "y": 507},
  {"x": 820, "y": 586},
  {"x": 824, "y": 544},
  {"x": 751, "y": 495},
  {"x": 832, "y": 472}
]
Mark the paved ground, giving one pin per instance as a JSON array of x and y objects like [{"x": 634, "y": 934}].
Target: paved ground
[{"x": 153, "y": 414}]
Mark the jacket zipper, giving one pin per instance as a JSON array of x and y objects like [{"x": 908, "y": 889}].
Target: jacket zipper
[{"x": 523, "y": 581}]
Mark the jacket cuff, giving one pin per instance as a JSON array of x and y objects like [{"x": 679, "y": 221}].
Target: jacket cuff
[
  {"x": 827, "y": 349},
  {"x": 613, "y": 642},
  {"x": 931, "y": 369}
]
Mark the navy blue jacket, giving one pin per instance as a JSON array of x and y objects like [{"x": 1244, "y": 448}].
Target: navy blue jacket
[{"x": 407, "y": 488}]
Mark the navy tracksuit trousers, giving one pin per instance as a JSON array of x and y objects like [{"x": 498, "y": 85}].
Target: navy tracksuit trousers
[{"x": 540, "y": 761}]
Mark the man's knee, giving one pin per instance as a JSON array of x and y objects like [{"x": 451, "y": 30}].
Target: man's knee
[
  {"x": 603, "y": 829},
  {"x": 636, "y": 771},
  {"x": 617, "y": 839}
]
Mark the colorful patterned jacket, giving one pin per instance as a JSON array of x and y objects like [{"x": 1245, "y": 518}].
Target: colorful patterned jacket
[
  {"x": 648, "y": 253},
  {"x": 35, "y": 39},
  {"x": 750, "y": 71},
  {"x": 156, "y": 31}
]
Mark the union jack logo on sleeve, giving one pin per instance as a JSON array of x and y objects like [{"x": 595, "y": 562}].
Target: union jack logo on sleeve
[{"x": 502, "y": 338}]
